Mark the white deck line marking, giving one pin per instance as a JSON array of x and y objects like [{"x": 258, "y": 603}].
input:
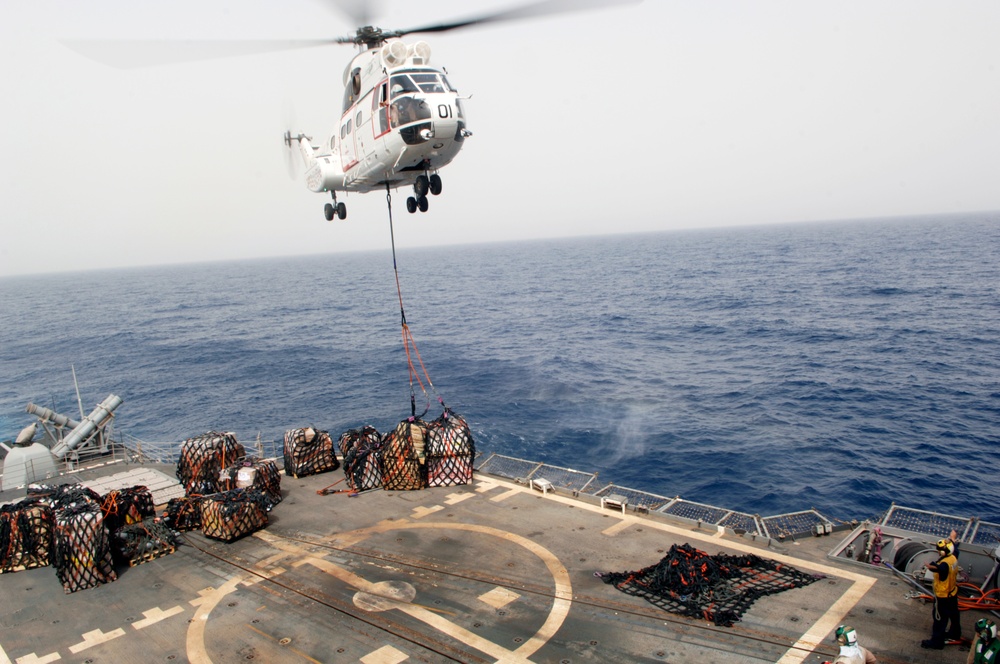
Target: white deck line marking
[
  {"x": 94, "y": 638},
  {"x": 4, "y": 659},
  {"x": 196, "y": 628},
  {"x": 385, "y": 655},
  {"x": 421, "y": 512},
  {"x": 32, "y": 658},
  {"x": 617, "y": 528},
  {"x": 155, "y": 615},
  {"x": 834, "y": 616},
  {"x": 456, "y": 498},
  {"x": 507, "y": 494}
]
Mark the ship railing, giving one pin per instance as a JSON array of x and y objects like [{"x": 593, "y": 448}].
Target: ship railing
[
  {"x": 937, "y": 525},
  {"x": 792, "y": 524}
]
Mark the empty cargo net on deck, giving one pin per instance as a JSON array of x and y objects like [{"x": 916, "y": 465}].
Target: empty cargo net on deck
[
  {"x": 233, "y": 514},
  {"x": 308, "y": 452},
  {"x": 203, "y": 458},
  {"x": 450, "y": 450},
  {"x": 719, "y": 588},
  {"x": 362, "y": 465}
]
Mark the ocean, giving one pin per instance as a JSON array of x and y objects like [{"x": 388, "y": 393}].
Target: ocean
[{"x": 837, "y": 366}]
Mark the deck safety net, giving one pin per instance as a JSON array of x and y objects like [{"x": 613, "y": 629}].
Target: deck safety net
[{"x": 720, "y": 588}]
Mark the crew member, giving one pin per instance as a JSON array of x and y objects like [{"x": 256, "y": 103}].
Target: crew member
[
  {"x": 946, "y": 625},
  {"x": 850, "y": 651},
  {"x": 986, "y": 646}
]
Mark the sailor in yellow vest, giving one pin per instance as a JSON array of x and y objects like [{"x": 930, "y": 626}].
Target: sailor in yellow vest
[
  {"x": 946, "y": 626},
  {"x": 986, "y": 646}
]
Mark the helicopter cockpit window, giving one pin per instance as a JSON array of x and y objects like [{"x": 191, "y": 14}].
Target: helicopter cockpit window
[
  {"x": 429, "y": 82},
  {"x": 401, "y": 85}
]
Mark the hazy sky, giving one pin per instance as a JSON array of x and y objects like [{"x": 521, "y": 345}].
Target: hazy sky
[{"x": 666, "y": 114}]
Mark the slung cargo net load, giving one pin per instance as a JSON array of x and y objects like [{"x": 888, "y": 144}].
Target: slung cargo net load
[
  {"x": 362, "y": 463},
  {"x": 203, "y": 458},
  {"x": 718, "y": 588},
  {"x": 309, "y": 451}
]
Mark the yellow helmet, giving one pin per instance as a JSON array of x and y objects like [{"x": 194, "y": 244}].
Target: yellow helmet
[{"x": 945, "y": 547}]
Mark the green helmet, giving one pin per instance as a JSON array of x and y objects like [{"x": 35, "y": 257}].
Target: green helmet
[
  {"x": 986, "y": 629},
  {"x": 846, "y": 636}
]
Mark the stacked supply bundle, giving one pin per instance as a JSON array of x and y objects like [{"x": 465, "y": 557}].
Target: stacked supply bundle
[
  {"x": 82, "y": 547},
  {"x": 122, "y": 507},
  {"x": 402, "y": 456},
  {"x": 308, "y": 452},
  {"x": 203, "y": 458},
  {"x": 25, "y": 535},
  {"x": 254, "y": 473},
  {"x": 182, "y": 514},
  {"x": 141, "y": 542},
  {"x": 360, "y": 448},
  {"x": 450, "y": 450},
  {"x": 63, "y": 494},
  {"x": 230, "y": 515}
]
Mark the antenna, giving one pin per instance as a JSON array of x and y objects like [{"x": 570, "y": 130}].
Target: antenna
[{"x": 77, "y": 386}]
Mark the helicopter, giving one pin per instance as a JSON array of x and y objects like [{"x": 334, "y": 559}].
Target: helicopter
[{"x": 402, "y": 120}]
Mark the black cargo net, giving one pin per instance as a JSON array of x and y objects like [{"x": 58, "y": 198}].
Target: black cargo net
[
  {"x": 82, "y": 547},
  {"x": 143, "y": 541},
  {"x": 122, "y": 507},
  {"x": 183, "y": 514},
  {"x": 450, "y": 450},
  {"x": 203, "y": 458},
  {"x": 63, "y": 494},
  {"x": 308, "y": 452},
  {"x": 25, "y": 535},
  {"x": 362, "y": 467},
  {"x": 718, "y": 588},
  {"x": 403, "y": 456},
  {"x": 230, "y": 515},
  {"x": 254, "y": 473}
]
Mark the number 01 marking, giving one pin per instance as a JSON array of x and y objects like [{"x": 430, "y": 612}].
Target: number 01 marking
[{"x": 444, "y": 110}]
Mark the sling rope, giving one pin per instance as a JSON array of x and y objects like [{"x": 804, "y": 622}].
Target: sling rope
[{"x": 409, "y": 343}]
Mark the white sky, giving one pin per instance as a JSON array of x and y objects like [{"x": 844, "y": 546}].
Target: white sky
[{"x": 668, "y": 114}]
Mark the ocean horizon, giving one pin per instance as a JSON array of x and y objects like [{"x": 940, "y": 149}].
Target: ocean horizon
[{"x": 841, "y": 366}]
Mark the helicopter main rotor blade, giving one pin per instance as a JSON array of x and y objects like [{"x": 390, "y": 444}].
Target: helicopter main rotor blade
[
  {"x": 531, "y": 10},
  {"x": 136, "y": 53}
]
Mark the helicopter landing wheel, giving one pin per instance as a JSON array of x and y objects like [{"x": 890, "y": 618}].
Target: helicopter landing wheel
[
  {"x": 435, "y": 184},
  {"x": 329, "y": 211},
  {"x": 421, "y": 185},
  {"x": 422, "y": 203},
  {"x": 341, "y": 211},
  {"x": 411, "y": 205}
]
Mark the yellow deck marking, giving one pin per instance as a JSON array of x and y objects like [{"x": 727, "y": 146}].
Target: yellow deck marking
[
  {"x": 483, "y": 486},
  {"x": 196, "y": 628},
  {"x": 456, "y": 498},
  {"x": 507, "y": 494},
  {"x": 498, "y": 597},
  {"x": 155, "y": 615},
  {"x": 421, "y": 512},
  {"x": 385, "y": 655},
  {"x": 4, "y": 659},
  {"x": 95, "y": 638},
  {"x": 32, "y": 658},
  {"x": 557, "y": 615},
  {"x": 202, "y": 594},
  {"x": 617, "y": 528}
]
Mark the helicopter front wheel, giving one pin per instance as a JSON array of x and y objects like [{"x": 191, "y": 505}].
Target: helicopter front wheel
[
  {"x": 341, "y": 211},
  {"x": 329, "y": 211}
]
